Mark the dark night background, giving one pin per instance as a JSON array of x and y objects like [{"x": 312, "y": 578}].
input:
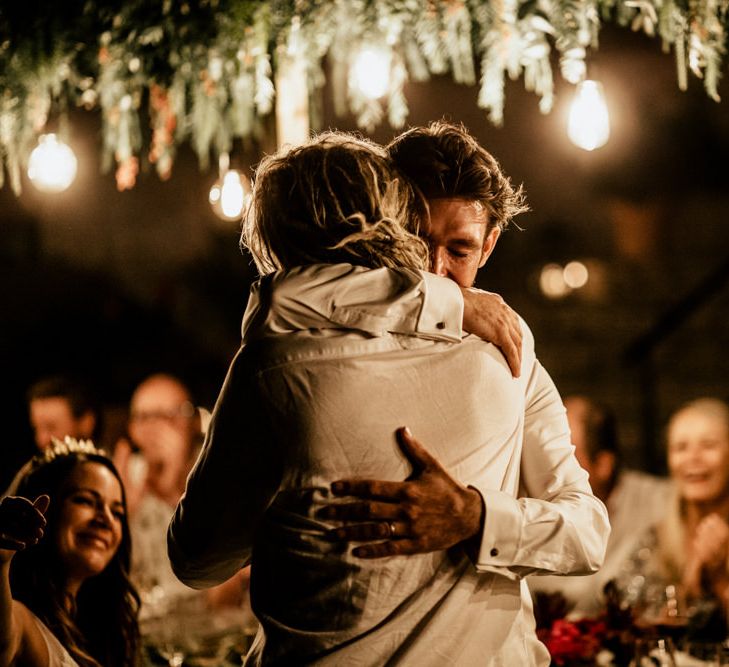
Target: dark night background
[{"x": 113, "y": 286}]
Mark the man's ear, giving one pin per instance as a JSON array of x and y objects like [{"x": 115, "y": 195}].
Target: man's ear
[
  {"x": 87, "y": 424},
  {"x": 489, "y": 243},
  {"x": 603, "y": 467}
]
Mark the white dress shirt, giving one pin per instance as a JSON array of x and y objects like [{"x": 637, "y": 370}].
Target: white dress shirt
[
  {"x": 637, "y": 503},
  {"x": 315, "y": 394}
]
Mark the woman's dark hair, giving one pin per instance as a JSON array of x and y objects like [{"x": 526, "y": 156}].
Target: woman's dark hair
[{"x": 101, "y": 628}]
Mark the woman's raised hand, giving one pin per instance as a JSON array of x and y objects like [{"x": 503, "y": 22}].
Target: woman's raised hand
[
  {"x": 21, "y": 523},
  {"x": 711, "y": 543},
  {"x": 707, "y": 564}
]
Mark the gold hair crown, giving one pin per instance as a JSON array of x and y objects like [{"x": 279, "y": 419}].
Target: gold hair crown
[{"x": 69, "y": 446}]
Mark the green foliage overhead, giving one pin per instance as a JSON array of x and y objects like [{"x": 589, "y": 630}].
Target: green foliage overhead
[{"x": 163, "y": 72}]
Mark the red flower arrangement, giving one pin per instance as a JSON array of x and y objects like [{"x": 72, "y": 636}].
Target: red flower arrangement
[
  {"x": 574, "y": 642},
  {"x": 579, "y": 643}
]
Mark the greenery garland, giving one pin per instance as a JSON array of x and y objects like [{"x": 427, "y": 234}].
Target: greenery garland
[{"x": 163, "y": 72}]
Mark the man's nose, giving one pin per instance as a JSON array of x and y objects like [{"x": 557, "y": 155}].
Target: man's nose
[{"x": 440, "y": 267}]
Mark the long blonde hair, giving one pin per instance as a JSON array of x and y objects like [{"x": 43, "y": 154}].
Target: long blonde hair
[
  {"x": 334, "y": 199},
  {"x": 671, "y": 531}
]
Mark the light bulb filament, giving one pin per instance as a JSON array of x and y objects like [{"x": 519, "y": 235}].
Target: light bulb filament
[{"x": 589, "y": 122}]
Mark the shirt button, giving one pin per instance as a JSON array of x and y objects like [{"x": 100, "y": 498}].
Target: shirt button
[
  {"x": 494, "y": 552},
  {"x": 440, "y": 325}
]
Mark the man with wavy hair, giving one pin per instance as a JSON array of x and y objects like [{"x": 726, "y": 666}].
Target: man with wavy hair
[{"x": 304, "y": 405}]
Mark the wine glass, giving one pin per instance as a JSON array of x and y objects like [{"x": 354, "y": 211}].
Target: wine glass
[
  {"x": 664, "y": 611},
  {"x": 172, "y": 653},
  {"x": 653, "y": 652},
  {"x": 162, "y": 625}
]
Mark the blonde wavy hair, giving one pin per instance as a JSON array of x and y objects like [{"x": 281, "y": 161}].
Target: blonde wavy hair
[
  {"x": 670, "y": 552},
  {"x": 334, "y": 199}
]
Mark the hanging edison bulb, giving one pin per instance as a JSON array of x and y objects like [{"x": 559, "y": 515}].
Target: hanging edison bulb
[
  {"x": 589, "y": 122},
  {"x": 228, "y": 194},
  {"x": 371, "y": 71},
  {"x": 52, "y": 164}
]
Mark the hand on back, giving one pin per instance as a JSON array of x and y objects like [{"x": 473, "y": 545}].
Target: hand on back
[
  {"x": 429, "y": 511},
  {"x": 489, "y": 317}
]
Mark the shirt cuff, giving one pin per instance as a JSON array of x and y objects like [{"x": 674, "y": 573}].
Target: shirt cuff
[
  {"x": 441, "y": 316},
  {"x": 500, "y": 539}
]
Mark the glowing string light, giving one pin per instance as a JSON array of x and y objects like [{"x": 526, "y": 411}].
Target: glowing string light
[
  {"x": 589, "y": 122},
  {"x": 228, "y": 195},
  {"x": 371, "y": 71},
  {"x": 52, "y": 164}
]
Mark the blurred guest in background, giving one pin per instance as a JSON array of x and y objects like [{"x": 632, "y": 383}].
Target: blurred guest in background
[
  {"x": 59, "y": 406},
  {"x": 689, "y": 548},
  {"x": 64, "y": 558},
  {"x": 166, "y": 431},
  {"x": 635, "y": 501}
]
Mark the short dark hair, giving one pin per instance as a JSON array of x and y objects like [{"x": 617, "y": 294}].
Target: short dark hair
[
  {"x": 77, "y": 395},
  {"x": 443, "y": 161}
]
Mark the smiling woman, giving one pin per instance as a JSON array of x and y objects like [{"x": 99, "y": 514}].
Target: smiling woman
[
  {"x": 689, "y": 549},
  {"x": 64, "y": 559}
]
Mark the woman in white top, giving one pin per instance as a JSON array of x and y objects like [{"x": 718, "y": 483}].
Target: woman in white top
[
  {"x": 65, "y": 594},
  {"x": 689, "y": 547}
]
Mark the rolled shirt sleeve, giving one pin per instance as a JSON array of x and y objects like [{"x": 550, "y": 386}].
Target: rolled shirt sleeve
[
  {"x": 555, "y": 525},
  {"x": 232, "y": 483}
]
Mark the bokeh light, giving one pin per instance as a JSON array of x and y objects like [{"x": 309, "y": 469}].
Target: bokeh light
[
  {"x": 575, "y": 275},
  {"x": 228, "y": 195},
  {"x": 589, "y": 122},
  {"x": 52, "y": 164},
  {"x": 371, "y": 71}
]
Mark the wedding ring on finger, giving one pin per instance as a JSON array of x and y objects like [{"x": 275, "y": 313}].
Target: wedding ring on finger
[{"x": 391, "y": 526}]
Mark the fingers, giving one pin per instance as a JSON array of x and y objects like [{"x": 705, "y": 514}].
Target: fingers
[
  {"x": 367, "y": 511},
  {"x": 368, "y": 532},
  {"x": 10, "y": 544},
  {"x": 387, "y": 549},
  {"x": 511, "y": 349},
  {"x": 416, "y": 454},
  {"x": 489, "y": 317},
  {"x": 711, "y": 524},
  {"x": 41, "y": 503},
  {"x": 21, "y": 522},
  {"x": 509, "y": 340},
  {"x": 419, "y": 457},
  {"x": 369, "y": 488}
]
